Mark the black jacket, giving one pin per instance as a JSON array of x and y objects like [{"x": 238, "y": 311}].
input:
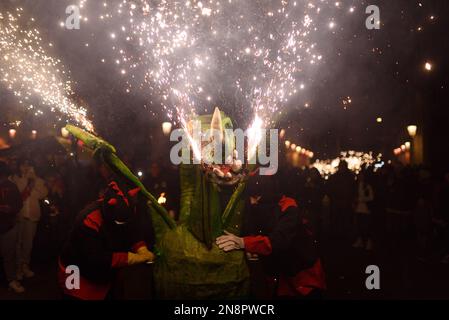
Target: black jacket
[
  {"x": 10, "y": 205},
  {"x": 294, "y": 247}
]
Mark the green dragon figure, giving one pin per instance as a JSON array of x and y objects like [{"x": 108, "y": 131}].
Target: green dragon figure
[{"x": 189, "y": 264}]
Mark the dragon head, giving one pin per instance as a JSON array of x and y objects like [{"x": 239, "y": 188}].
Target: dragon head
[{"x": 228, "y": 170}]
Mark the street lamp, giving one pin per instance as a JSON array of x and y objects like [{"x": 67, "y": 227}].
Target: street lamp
[
  {"x": 64, "y": 132},
  {"x": 412, "y": 130},
  {"x": 408, "y": 145},
  {"x": 166, "y": 128},
  {"x": 12, "y": 133}
]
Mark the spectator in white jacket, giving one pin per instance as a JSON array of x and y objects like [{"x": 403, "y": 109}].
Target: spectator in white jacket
[{"x": 32, "y": 189}]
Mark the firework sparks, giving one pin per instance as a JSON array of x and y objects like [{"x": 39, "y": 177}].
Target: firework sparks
[
  {"x": 29, "y": 71},
  {"x": 197, "y": 54}
]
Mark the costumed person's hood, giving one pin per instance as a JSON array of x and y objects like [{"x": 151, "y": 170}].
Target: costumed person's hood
[{"x": 119, "y": 204}]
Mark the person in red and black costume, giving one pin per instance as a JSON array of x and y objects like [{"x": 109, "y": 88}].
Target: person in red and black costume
[
  {"x": 107, "y": 235},
  {"x": 279, "y": 235}
]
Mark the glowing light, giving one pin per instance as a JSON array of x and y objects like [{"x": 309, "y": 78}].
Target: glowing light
[
  {"x": 282, "y": 133},
  {"x": 166, "y": 128},
  {"x": 287, "y": 143},
  {"x": 162, "y": 199},
  {"x": 428, "y": 66},
  {"x": 12, "y": 133},
  {"x": 412, "y": 130},
  {"x": 379, "y": 120},
  {"x": 355, "y": 161},
  {"x": 64, "y": 132},
  {"x": 407, "y": 145}
]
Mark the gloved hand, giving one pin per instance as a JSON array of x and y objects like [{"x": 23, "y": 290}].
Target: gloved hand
[
  {"x": 230, "y": 242},
  {"x": 138, "y": 258},
  {"x": 144, "y": 251}
]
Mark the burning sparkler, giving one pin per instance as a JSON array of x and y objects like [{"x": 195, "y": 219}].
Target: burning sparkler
[
  {"x": 29, "y": 71},
  {"x": 195, "y": 54}
]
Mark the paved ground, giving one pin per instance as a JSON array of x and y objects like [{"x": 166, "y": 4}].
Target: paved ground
[{"x": 403, "y": 276}]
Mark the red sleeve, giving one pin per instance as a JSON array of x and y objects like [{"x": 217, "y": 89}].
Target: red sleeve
[
  {"x": 138, "y": 245},
  {"x": 258, "y": 245},
  {"x": 286, "y": 203},
  {"x": 119, "y": 259}
]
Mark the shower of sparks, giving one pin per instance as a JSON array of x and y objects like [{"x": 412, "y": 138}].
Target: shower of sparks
[
  {"x": 30, "y": 72},
  {"x": 195, "y": 55},
  {"x": 254, "y": 137}
]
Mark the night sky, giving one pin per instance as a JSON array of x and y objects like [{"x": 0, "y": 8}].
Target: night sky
[{"x": 381, "y": 72}]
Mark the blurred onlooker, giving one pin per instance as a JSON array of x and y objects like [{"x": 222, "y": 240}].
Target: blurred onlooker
[
  {"x": 342, "y": 193},
  {"x": 312, "y": 198},
  {"x": 158, "y": 184},
  {"x": 52, "y": 227},
  {"x": 32, "y": 189},
  {"x": 399, "y": 205},
  {"x": 55, "y": 196},
  {"x": 423, "y": 212},
  {"x": 365, "y": 195},
  {"x": 444, "y": 214},
  {"x": 10, "y": 205}
]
